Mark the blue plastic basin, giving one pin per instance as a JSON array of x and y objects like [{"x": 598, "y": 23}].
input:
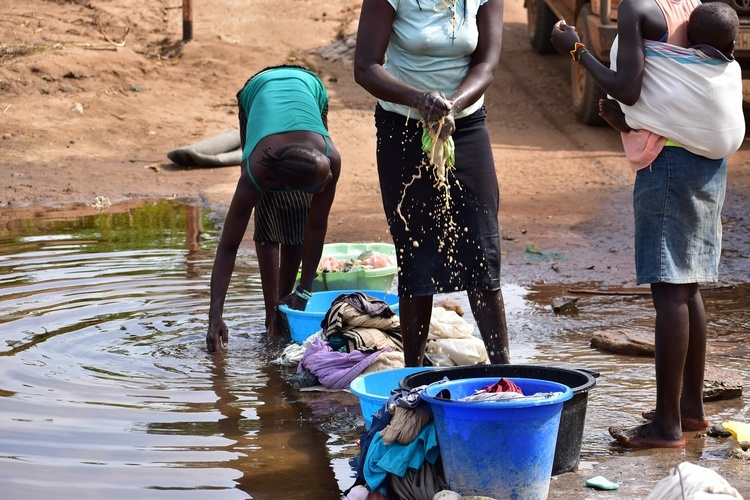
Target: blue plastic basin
[
  {"x": 499, "y": 449},
  {"x": 374, "y": 389},
  {"x": 302, "y": 324}
]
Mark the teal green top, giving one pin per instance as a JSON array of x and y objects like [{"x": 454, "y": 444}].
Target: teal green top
[{"x": 282, "y": 100}]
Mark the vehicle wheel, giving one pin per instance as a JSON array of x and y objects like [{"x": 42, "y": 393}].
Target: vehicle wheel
[
  {"x": 539, "y": 23},
  {"x": 586, "y": 92}
]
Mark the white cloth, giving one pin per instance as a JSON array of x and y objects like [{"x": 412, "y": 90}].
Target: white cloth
[
  {"x": 359, "y": 492},
  {"x": 692, "y": 96},
  {"x": 294, "y": 352},
  {"x": 689, "y": 481},
  {"x": 451, "y": 341},
  {"x": 456, "y": 352},
  {"x": 446, "y": 324}
]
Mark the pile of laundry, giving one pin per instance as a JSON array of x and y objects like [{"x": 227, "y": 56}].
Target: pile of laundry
[
  {"x": 361, "y": 334},
  {"x": 400, "y": 455}
]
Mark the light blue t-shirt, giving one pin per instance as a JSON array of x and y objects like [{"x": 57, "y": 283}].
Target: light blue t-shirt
[
  {"x": 282, "y": 100},
  {"x": 423, "y": 52}
]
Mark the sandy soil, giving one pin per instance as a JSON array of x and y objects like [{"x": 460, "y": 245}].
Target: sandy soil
[{"x": 94, "y": 93}]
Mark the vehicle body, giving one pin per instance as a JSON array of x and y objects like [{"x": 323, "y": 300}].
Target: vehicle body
[{"x": 596, "y": 23}]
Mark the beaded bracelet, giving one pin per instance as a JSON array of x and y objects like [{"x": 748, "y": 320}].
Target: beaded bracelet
[
  {"x": 584, "y": 51},
  {"x": 577, "y": 46},
  {"x": 302, "y": 293}
]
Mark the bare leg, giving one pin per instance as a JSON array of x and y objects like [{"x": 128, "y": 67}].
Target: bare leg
[
  {"x": 691, "y": 400},
  {"x": 680, "y": 349},
  {"x": 488, "y": 309},
  {"x": 291, "y": 256},
  {"x": 415, "y": 313},
  {"x": 612, "y": 114},
  {"x": 268, "y": 261},
  {"x": 692, "y": 413}
]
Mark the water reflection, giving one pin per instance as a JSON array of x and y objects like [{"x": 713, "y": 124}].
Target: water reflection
[{"x": 106, "y": 389}]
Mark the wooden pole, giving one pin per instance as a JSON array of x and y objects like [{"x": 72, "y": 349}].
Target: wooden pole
[{"x": 187, "y": 20}]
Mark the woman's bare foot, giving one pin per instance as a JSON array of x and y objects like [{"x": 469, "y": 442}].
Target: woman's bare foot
[
  {"x": 643, "y": 436},
  {"x": 612, "y": 114},
  {"x": 688, "y": 423}
]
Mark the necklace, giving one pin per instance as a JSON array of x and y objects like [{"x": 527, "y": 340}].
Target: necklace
[{"x": 452, "y": 7}]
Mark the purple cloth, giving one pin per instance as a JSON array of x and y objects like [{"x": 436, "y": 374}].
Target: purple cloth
[{"x": 335, "y": 370}]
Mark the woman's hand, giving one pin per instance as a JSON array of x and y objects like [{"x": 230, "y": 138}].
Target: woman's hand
[
  {"x": 435, "y": 110},
  {"x": 294, "y": 301},
  {"x": 446, "y": 129},
  {"x": 564, "y": 37},
  {"x": 217, "y": 336},
  {"x": 433, "y": 106}
]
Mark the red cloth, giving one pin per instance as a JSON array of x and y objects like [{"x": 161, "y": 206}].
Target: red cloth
[{"x": 503, "y": 385}]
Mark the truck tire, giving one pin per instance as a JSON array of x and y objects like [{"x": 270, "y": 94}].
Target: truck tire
[
  {"x": 585, "y": 91},
  {"x": 539, "y": 23}
]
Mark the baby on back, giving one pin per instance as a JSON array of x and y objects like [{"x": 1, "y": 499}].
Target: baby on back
[{"x": 692, "y": 96}]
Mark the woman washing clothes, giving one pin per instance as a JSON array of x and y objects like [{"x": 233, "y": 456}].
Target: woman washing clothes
[{"x": 287, "y": 150}]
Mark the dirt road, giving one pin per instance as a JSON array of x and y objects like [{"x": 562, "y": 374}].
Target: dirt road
[{"x": 94, "y": 93}]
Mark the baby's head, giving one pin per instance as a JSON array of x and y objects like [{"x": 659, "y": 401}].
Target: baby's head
[
  {"x": 299, "y": 167},
  {"x": 716, "y": 24}
]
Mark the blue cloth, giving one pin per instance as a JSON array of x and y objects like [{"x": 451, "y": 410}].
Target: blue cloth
[
  {"x": 380, "y": 420},
  {"x": 397, "y": 458},
  {"x": 677, "y": 206}
]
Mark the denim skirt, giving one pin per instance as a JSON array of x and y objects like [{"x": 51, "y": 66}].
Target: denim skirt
[{"x": 677, "y": 204}]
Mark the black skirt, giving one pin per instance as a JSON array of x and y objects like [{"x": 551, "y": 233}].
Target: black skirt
[{"x": 443, "y": 243}]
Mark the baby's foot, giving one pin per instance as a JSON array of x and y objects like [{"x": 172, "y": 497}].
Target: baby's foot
[{"x": 612, "y": 114}]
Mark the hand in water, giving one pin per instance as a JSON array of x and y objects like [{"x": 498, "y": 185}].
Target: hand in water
[{"x": 217, "y": 337}]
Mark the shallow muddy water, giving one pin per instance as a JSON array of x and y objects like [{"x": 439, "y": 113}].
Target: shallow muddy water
[{"x": 107, "y": 391}]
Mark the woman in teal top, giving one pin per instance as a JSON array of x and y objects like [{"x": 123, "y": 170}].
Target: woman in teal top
[
  {"x": 282, "y": 99},
  {"x": 287, "y": 150}
]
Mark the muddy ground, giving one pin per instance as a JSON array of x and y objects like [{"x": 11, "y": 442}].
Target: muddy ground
[{"x": 94, "y": 93}]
